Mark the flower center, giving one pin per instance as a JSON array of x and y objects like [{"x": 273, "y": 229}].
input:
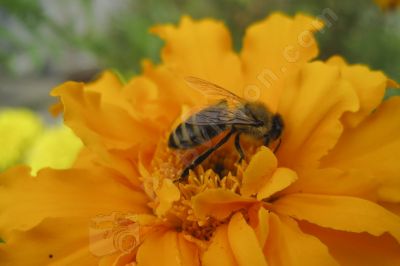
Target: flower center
[{"x": 221, "y": 170}]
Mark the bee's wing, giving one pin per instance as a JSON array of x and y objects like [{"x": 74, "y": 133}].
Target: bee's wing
[
  {"x": 212, "y": 90},
  {"x": 220, "y": 115}
]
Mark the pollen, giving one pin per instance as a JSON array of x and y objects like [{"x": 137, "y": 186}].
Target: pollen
[{"x": 221, "y": 170}]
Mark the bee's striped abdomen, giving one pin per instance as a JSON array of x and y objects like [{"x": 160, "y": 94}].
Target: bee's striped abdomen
[{"x": 188, "y": 135}]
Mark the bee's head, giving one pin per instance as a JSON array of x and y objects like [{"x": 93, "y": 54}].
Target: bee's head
[{"x": 276, "y": 128}]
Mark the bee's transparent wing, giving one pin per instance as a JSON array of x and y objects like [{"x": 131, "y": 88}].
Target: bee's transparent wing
[
  {"x": 220, "y": 115},
  {"x": 214, "y": 91}
]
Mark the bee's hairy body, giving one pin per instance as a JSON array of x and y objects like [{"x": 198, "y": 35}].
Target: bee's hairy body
[
  {"x": 247, "y": 118},
  {"x": 189, "y": 135}
]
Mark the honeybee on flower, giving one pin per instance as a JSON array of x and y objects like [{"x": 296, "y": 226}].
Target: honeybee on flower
[{"x": 328, "y": 196}]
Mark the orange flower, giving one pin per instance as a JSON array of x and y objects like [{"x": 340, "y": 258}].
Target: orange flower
[{"x": 329, "y": 196}]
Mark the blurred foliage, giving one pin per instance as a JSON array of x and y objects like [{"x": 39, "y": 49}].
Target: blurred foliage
[{"x": 362, "y": 33}]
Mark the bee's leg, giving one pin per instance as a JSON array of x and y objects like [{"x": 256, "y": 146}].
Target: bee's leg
[
  {"x": 205, "y": 154},
  {"x": 238, "y": 147},
  {"x": 277, "y": 146}
]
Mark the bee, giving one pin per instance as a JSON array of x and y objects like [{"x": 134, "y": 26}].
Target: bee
[{"x": 231, "y": 115}]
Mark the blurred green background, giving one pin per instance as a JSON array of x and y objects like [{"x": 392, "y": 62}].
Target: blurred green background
[{"x": 45, "y": 42}]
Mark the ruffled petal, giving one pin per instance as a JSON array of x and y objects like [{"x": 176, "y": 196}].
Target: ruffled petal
[
  {"x": 261, "y": 167},
  {"x": 260, "y": 224},
  {"x": 331, "y": 181},
  {"x": 287, "y": 245},
  {"x": 244, "y": 243},
  {"x": 219, "y": 203},
  {"x": 219, "y": 252},
  {"x": 25, "y": 201},
  {"x": 202, "y": 49},
  {"x": 374, "y": 146},
  {"x": 369, "y": 85},
  {"x": 168, "y": 193},
  {"x": 282, "y": 178},
  {"x": 352, "y": 249},
  {"x": 98, "y": 122},
  {"x": 341, "y": 213},
  {"x": 274, "y": 48},
  {"x": 311, "y": 106},
  {"x": 54, "y": 241},
  {"x": 167, "y": 248}
]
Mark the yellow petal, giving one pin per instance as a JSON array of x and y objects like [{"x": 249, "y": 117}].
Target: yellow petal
[
  {"x": 272, "y": 49},
  {"x": 219, "y": 203},
  {"x": 167, "y": 248},
  {"x": 393, "y": 207},
  {"x": 260, "y": 224},
  {"x": 373, "y": 146},
  {"x": 330, "y": 181},
  {"x": 54, "y": 241},
  {"x": 98, "y": 122},
  {"x": 369, "y": 85},
  {"x": 259, "y": 170},
  {"x": 108, "y": 83},
  {"x": 287, "y": 245},
  {"x": 312, "y": 105},
  {"x": 244, "y": 243},
  {"x": 352, "y": 249},
  {"x": 219, "y": 252},
  {"x": 281, "y": 179},
  {"x": 202, "y": 49},
  {"x": 173, "y": 90},
  {"x": 341, "y": 213},
  {"x": 25, "y": 201},
  {"x": 168, "y": 193},
  {"x": 189, "y": 252}
]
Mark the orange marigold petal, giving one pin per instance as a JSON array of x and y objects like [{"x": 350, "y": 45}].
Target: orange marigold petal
[
  {"x": 374, "y": 143},
  {"x": 219, "y": 252},
  {"x": 244, "y": 243},
  {"x": 281, "y": 179},
  {"x": 341, "y": 213},
  {"x": 218, "y": 203},
  {"x": 311, "y": 106},
  {"x": 203, "y": 49},
  {"x": 60, "y": 241},
  {"x": 272, "y": 49},
  {"x": 369, "y": 85},
  {"x": 98, "y": 122},
  {"x": 260, "y": 224},
  {"x": 288, "y": 245},
  {"x": 331, "y": 181},
  {"x": 352, "y": 249},
  {"x": 108, "y": 83},
  {"x": 261, "y": 167},
  {"x": 25, "y": 201},
  {"x": 167, "y": 248},
  {"x": 189, "y": 252},
  {"x": 168, "y": 193}
]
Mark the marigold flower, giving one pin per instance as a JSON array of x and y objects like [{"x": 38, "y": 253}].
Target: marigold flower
[{"x": 329, "y": 196}]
